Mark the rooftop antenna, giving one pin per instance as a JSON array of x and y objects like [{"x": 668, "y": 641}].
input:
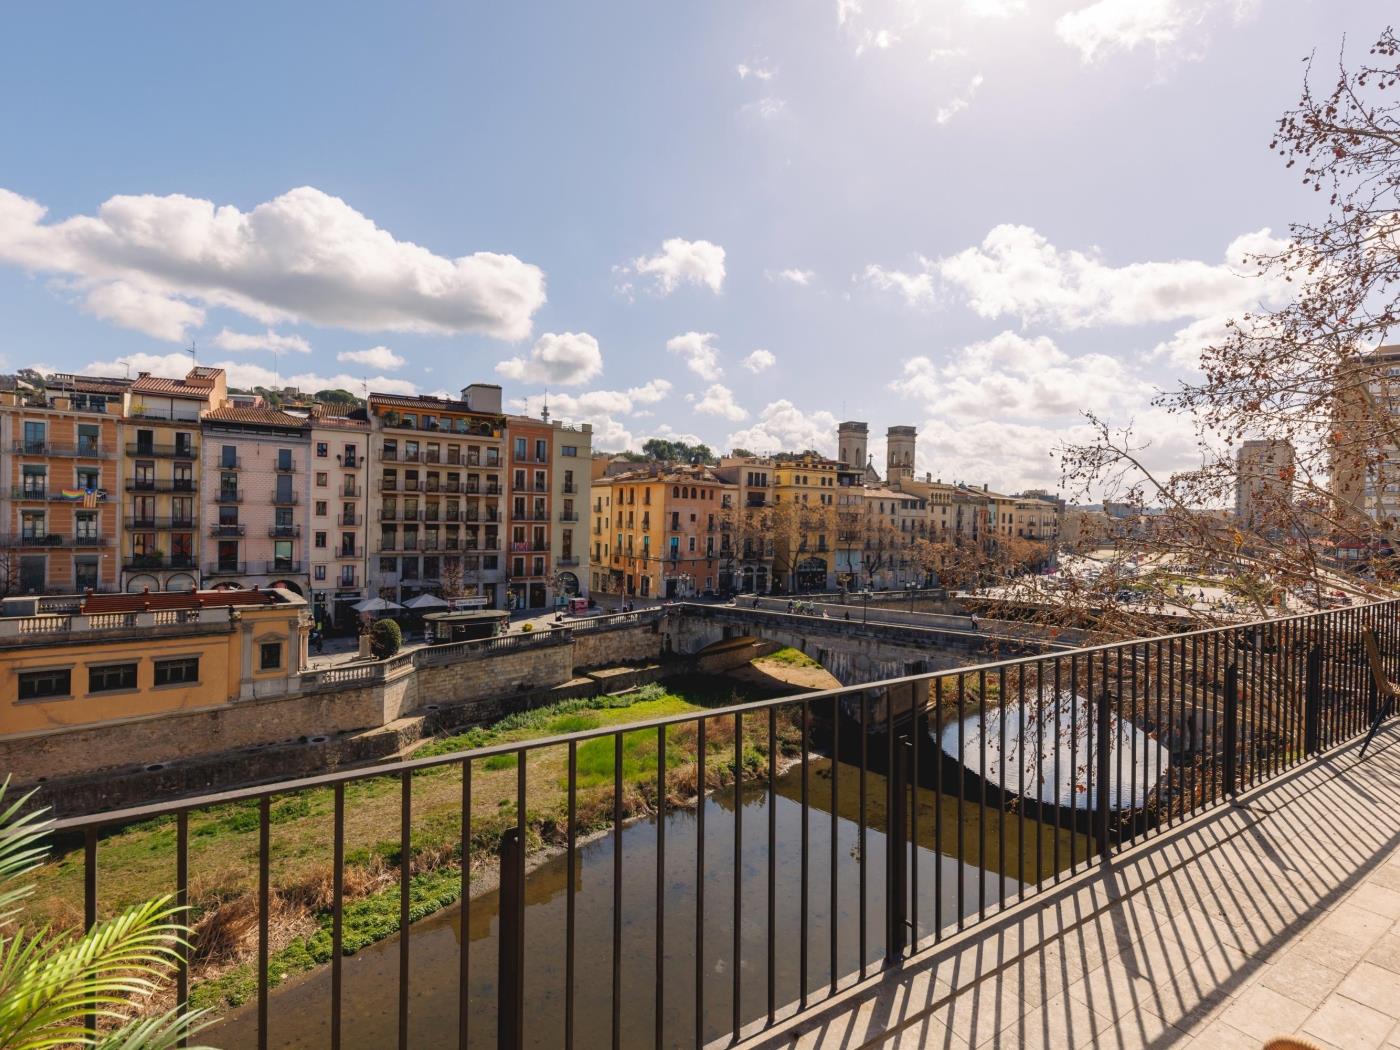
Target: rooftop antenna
[{"x": 544, "y": 415}]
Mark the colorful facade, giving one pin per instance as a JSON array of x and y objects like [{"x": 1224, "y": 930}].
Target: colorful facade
[{"x": 338, "y": 551}]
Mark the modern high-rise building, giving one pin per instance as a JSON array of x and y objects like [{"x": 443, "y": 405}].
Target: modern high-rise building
[
  {"x": 1364, "y": 446},
  {"x": 1263, "y": 483}
]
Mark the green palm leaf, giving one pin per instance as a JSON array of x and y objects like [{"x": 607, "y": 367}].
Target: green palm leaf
[
  {"x": 157, "y": 1033},
  {"x": 21, "y": 847}
]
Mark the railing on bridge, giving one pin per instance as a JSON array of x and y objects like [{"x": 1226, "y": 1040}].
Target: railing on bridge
[{"x": 833, "y": 834}]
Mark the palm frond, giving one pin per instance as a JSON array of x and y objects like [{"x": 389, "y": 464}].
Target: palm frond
[
  {"x": 157, "y": 1033},
  {"x": 21, "y": 846},
  {"x": 48, "y": 983}
]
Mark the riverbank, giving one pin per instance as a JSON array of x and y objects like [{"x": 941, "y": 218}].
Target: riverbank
[{"x": 137, "y": 862}]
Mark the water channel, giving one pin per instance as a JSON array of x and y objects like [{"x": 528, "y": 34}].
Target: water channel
[{"x": 299, "y": 1010}]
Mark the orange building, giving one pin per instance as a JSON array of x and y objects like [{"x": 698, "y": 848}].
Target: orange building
[{"x": 61, "y": 520}]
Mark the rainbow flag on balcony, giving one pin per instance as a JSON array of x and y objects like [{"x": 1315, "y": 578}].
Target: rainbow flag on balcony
[{"x": 87, "y": 497}]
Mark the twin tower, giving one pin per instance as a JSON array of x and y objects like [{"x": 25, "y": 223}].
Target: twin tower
[{"x": 852, "y": 439}]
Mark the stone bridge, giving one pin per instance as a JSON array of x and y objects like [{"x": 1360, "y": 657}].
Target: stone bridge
[{"x": 853, "y": 650}]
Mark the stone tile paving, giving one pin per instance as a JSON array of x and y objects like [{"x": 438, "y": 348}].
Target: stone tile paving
[{"x": 1280, "y": 915}]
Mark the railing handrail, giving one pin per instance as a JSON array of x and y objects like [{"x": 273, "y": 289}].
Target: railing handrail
[{"x": 136, "y": 813}]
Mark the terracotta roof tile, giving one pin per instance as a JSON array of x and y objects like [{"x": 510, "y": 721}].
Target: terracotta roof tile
[
  {"x": 431, "y": 404},
  {"x": 198, "y": 388},
  {"x": 263, "y": 416}
]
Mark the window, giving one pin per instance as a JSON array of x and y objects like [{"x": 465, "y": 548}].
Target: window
[
  {"x": 181, "y": 671},
  {"x": 541, "y": 453},
  {"x": 108, "y": 678},
  {"x": 320, "y": 572},
  {"x": 322, "y": 450},
  {"x": 322, "y": 479},
  {"x": 270, "y": 656},
  {"x": 520, "y": 446},
  {"x": 228, "y": 457},
  {"x": 45, "y": 685},
  {"x": 284, "y": 459},
  {"x": 569, "y": 450},
  {"x": 33, "y": 436},
  {"x": 320, "y": 542},
  {"x": 320, "y": 508}
]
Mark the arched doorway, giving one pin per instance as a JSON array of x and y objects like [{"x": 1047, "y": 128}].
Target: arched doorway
[
  {"x": 287, "y": 585},
  {"x": 181, "y": 581},
  {"x": 568, "y": 584},
  {"x": 137, "y": 584}
]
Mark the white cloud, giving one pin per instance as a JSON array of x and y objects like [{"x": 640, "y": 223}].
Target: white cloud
[
  {"x": 994, "y": 8},
  {"x": 244, "y": 374},
  {"x": 792, "y": 275},
  {"x": 718, "y": 400},
  {"x": 759, "y": 360},
  {"x": 783, "y": 427},
  {"x": 879, "y": 39},
  {"x": 268, "y": 340},
  {"x": 846, "y": 10},
  {"x": 153, "y": 263},
  {"x": 1108, "y": 26},
  {"x": 700, "y": 356},
  {"x": 917, "y": 288},
  {"x": 960, "y": 102},
  {"x": 566, "y": 359},
  {"x": 1011, "y": 376},
  {"x": 1017, "y": 271},
  {"x": 681, "y": 261},
  {"x": 380, "y": 357},
  {"x": 651, "y": 392},
  {"x": 767, "y": 108},
  {"x": 757, "y": 72}
]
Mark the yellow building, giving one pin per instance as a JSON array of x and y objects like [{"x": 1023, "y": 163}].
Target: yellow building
[
  {"x": 83, "y": 661},
  {"x": 804, "y": 522}
]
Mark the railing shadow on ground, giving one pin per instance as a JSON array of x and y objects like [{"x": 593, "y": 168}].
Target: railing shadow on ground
[{"x": 1083, "y": 964}]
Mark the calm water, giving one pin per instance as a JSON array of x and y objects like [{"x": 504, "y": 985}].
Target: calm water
[{"x": 299, "y": 1010}]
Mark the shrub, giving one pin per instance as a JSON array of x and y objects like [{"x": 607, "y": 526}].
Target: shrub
[
  {"x": 527, "y": 627},
  {"x": 385, "y": 639}
]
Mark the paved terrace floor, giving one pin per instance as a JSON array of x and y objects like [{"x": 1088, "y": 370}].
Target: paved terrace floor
[{"x": 1277, "y": 916}]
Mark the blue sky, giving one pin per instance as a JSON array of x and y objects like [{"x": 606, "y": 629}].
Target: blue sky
[{"x": 979, "y": 217}]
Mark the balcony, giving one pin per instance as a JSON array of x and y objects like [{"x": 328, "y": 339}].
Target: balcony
[
  {"x": 81, "y": 450},
  {"x": 286, "y": 467},
  {"x": 138, "y": 449},
  {"x": 279, "y": 565},
  {"x": 231, "y": 530},
  {"x": 157, "y": 524},
  {"x": 567, "y": 560},
  {"x": 137, "y": 562},
  {"x": 348, "y": 552},
  {"x": 52, "y": 539},
  {"x": 351, "y": 491},
  {"x": 284, "y": 499},
  {"x": 160, "y": 485},
  {"x": 284, "y": 531},
  {"x": 351, "y": 462},
  {"x": 230, "y": 462},
  {"x": 568, "y": 515},
  {"x": 349, "y": 520},
  {"x": 226, "y": 568},
  {"x": 569, "y": 488},
  {"x": 229, "y": 496}
]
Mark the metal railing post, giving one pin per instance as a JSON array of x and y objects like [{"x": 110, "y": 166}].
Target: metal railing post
[
  {"x": 1102, "y": 772},
  {"x": 1231, "y": 716},
  {"x": 897, "y": 808},
  {"x": 1312, "y": 703},
  {"x": 510, "y": 1004}
]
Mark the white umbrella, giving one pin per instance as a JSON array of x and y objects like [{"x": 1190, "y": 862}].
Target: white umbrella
[
  {"x": 425, "y": 601},
  {"x": 375, "y": 605}
]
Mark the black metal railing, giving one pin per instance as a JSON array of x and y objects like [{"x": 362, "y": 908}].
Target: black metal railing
[{"x": 795, "y": 878}]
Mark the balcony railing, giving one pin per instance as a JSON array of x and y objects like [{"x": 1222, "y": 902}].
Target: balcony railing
[
  {"x": 160, "y": 485},
  {"x": 158, "y": 524},
  {"x": 81, "y": 450},
  {"x": 133, "y": 562},
  {"x": 284, "y": 531},
  {"x": 351, "y": 491},
  {"x": 568, "y": 560},
  {"x": 230, "y": 462},
  {"x": 349, "y": 520},
  {"x": 229, "y": 496},
  {"x": 912, "y": 820},
  {"x": 287, "y": 467},
  {"x": 285, "y": 499},
  {"x": 226, "y": 568},
  {"x": 138, "y": 450},
  {"x": 225, "y": 530},
  {"x": 282, "y": 565},
  {"x": 53, "y": 539}
]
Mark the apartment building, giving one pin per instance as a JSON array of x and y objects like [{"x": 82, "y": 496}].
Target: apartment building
[
  {"x": 338, "y": 551},
  {"x": 571, "y": 477},
  {"x": 437, "y": 495},
  {"x": 804, "y": 522},
  {"x": 255, "y": 486},
  {"x": 1364, "y": 450},
  {"x": 665, "y": 530},
  {"x": 530, "y": 443},
  {"x": 746, "y": 523},
  {"x": 162, "y": 509},
  {"x": 601, "y": 580},
  {"x": 60, "y": 444},
  {"x": 1264, "y": 482}
]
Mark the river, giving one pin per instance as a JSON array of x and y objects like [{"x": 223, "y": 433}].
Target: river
[{"x": 299, "y": 1009}]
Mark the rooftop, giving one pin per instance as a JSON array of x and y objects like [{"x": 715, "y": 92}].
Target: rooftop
[
  {"x": 256, "y": 416},
  {"x": 150, "y": 601}
]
